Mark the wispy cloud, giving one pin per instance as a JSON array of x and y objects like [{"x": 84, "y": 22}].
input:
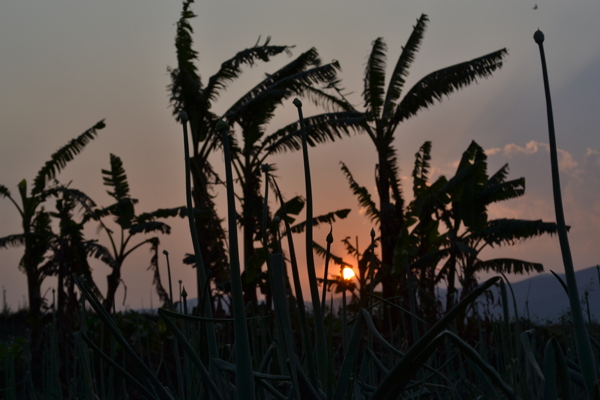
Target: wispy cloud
[
  {"x": 566, "y": 162},
  {"x": 580, "y": 184}
]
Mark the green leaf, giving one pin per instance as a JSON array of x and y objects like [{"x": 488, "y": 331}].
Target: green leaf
[
  {"x": 407, "y": 56},
  {"x": 12, "y": 241},
  {"x": 321, "y": 128},
  {"x": 505, "y": 231},
  {"x": 62, "y": 156},
  {"x": 322, "y": 252},
  {"x": 292, "y": 207},
  {"x": 510, "y": 266},
  {"x": 231, "y": 69},
  {"x": 364, "y": 197},
  {"x": 116, "y": 179},
  {"x": 443, "y": 82},
  {"x": 328, "y": 218},
  {"x": 150, "y": 227},
  {"x": 374, "y": 80}
]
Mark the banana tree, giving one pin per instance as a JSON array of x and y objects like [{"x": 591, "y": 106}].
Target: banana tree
[
  {"x": 252, "y": 114},
  {"x": 385, "y": 110},
  {"x": 448, "y": 227},
  {"x": 188, "y": 93},
  {"x": 35, "y": 221},
  {"x": 130, "y": 225},
  {"x": 469, "y": 230},
  {"x": 69, "y": 252}
]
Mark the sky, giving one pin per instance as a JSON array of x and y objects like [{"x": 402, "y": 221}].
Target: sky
[{"x": 67, "y": 64}]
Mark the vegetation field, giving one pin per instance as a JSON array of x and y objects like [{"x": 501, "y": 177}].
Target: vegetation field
[{"x": 256, "y": 332}]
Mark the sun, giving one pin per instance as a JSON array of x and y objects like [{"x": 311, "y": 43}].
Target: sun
[{"x": 347, "y": 273}]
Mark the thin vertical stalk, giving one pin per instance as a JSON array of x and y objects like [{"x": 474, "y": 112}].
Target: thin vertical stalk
[
  {"x": 265, "y": 168},
  {"x": 584, "y": 347},
  {"x": 243, "y": 361},
  {"x": 371, "y": 289},
  {"x": 201, "y": 280},
  {"x": 180, "y": 298},
  {"x": 283, "y": 318},
  {"x": 321, "y": 343},
  {"x": 166, "y": 253},
  {"x": 412, "y": 299},
  {"x": 327, "y": 258},
  {"x": 306, "y": 343},
  {"x": 344, "y": 315}
]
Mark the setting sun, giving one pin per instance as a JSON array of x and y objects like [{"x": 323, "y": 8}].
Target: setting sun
[{"x": 347, "y": 273}]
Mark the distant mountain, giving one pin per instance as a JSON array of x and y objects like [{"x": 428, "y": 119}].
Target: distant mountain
[{"x": 542, "y": 297}]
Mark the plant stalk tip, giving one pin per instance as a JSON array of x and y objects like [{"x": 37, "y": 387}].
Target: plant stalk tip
[
  {"x": 538, "y": 36},
  {"x": 297, "y": 102},
  {"x": 222, "y": 126},
  {"x": 183, "y": 117}
]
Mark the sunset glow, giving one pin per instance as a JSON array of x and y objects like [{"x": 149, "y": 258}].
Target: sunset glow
[{"x": 347, "y": 273}]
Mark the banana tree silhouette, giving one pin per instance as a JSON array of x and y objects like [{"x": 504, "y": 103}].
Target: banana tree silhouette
[
  {"x": 130, "y": 225},
  {"x": 469, "y": 230},
  {"x": 188, "y": 93},
  {"x": 68, "y": 256},
  {"x": 385, "y": 110},
  {"x": 35, "y": 221},
  {"x": 252, "y": 112},
  {"x": 447, "y": 227}
]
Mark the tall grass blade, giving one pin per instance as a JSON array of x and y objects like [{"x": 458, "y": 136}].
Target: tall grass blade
[
  {"x": 561, "y": 281},
  {"x": 283, "y": 317},
  {"x": 400, "y": 374},
  {"x": 373, "y": 330},
  {"x": 122, "y": 371},
  {"x": 349, "y": 362},
  {"x": 321, "y": 343},
  {"x": 189, "y": 350},
  {"x": 526, "y": 341},
  {"x": 307, "y": 347},
  {"x": 243, "y": 359},
  {"x": 201, "y": 280},
  {"x": 83, "y": 366},
  {"x": 556, "y": 371},
  {"x": 118, "y": 336},
  {"x": 584, "y": 348}
]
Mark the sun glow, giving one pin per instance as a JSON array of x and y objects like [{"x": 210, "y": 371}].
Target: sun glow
[{"x": 347, "y": 273}]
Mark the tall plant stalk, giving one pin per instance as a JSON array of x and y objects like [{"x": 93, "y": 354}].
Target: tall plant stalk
[
  {"x": 584, "y": 348},
  {"x": 304, "y": 329},
  {"x": 201, "y": 280},
  {"x": 321, "y": 343},
  {"x": 166, "y": 253},
  {"x": 243, "y": 377},
  {"x": 327, "y": 257}
]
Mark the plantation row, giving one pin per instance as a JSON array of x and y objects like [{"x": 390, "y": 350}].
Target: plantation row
[{"x": 392, "y": 339}]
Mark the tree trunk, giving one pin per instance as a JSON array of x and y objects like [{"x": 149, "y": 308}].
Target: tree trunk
[
  {"x": 35, "y": 297},
  {"x": 113, "y": 281},
  {"x": 451, "y": 294},
  {"x": 393, "y": 284},
  {"x": 251, "y": 210}
]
